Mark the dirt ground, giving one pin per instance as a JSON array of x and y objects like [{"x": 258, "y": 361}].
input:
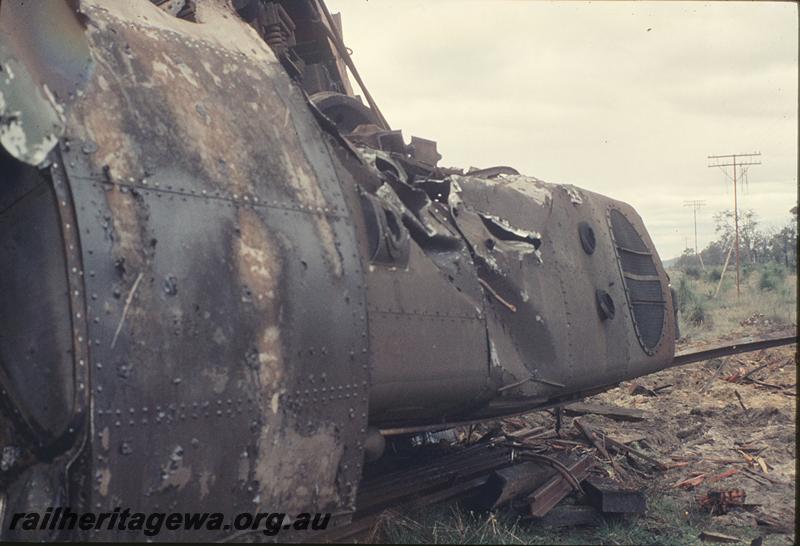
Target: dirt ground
[
  {"x": 698, "y": 427},
  {"x": 700, "y": 420}
]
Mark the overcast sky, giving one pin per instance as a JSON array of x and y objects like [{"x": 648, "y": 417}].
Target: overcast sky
[{"x": 625, "y": 99}]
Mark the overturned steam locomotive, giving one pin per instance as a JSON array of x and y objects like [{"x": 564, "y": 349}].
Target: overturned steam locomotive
[{"x": 224, "y": 277}]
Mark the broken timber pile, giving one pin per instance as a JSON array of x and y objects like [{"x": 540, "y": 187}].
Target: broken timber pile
[
  {"x": 611, "y": 497},
  {"x": 524, "y": 471},
  {"x": 421, "y": 483}
]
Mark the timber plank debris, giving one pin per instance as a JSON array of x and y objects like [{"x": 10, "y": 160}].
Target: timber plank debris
[
  {"x": 638, "y": 388},
  {"x": 571, "y": 515},
  {"x": 598, "y": 443},
  {"x": 602, "y": 441},
  {"x": 435, "y": 478},
  {"x": 606, "y": 410},
  {"x": 506, "y": 484},
  {"x": 711, "y": 536},
  {"x": 611, "y": 497}
]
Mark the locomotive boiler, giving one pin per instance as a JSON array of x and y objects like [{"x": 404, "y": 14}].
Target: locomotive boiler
[{"x": 223, "y": 276}]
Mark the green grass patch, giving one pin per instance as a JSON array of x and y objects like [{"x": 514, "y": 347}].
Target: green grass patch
[
  {"x": 667, "y": 522},
  {"x": 772, "y": 277},
  {"x": 770, "y": 290}
]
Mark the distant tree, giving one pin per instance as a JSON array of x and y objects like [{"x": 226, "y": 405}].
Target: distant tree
[
  {"x": 725, "y": 228},
  {"x": 783, "y": 244},
  {"x": 761, "y": 244},
  {"x": 749, "y": 236},
  {"x": 780, "y": 246},
  {"x": 688, "y": 260},
  {"x": 756, "y": 246},
  {"x": 714, "y": 253}
]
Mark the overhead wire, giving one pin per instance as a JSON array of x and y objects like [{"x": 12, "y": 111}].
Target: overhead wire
[{"x": 336, "y": 38}]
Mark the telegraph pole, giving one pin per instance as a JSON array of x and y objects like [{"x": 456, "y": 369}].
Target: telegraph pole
[
  {"x": 696, "y": 205},
  {"x": 723, "y": 161}
]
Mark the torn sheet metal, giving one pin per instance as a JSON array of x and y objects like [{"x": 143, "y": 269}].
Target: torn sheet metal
[
  {"x": 514, "y": 239},
  {"x": 521, "y": 201},
  {"x": 511, "y": 209},
  {"x": 574, "y": 193}
]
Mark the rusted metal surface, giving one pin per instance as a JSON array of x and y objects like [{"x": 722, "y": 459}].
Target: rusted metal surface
[
  {"x": 745, "y": 345},
  {"x": 45, "y": 63},
  {"x": 548, "y": 495},
  {"x": 516, "y": 229}
]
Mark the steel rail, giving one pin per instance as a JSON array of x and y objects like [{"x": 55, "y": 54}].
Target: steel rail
[{"x": 745, "y": 345}]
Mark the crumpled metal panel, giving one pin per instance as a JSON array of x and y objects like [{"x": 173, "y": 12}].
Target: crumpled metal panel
[
  {"x": 522, "y": 341},
  {"x": 546, "y": 336},
  {"x": 226, "y": 317}
]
